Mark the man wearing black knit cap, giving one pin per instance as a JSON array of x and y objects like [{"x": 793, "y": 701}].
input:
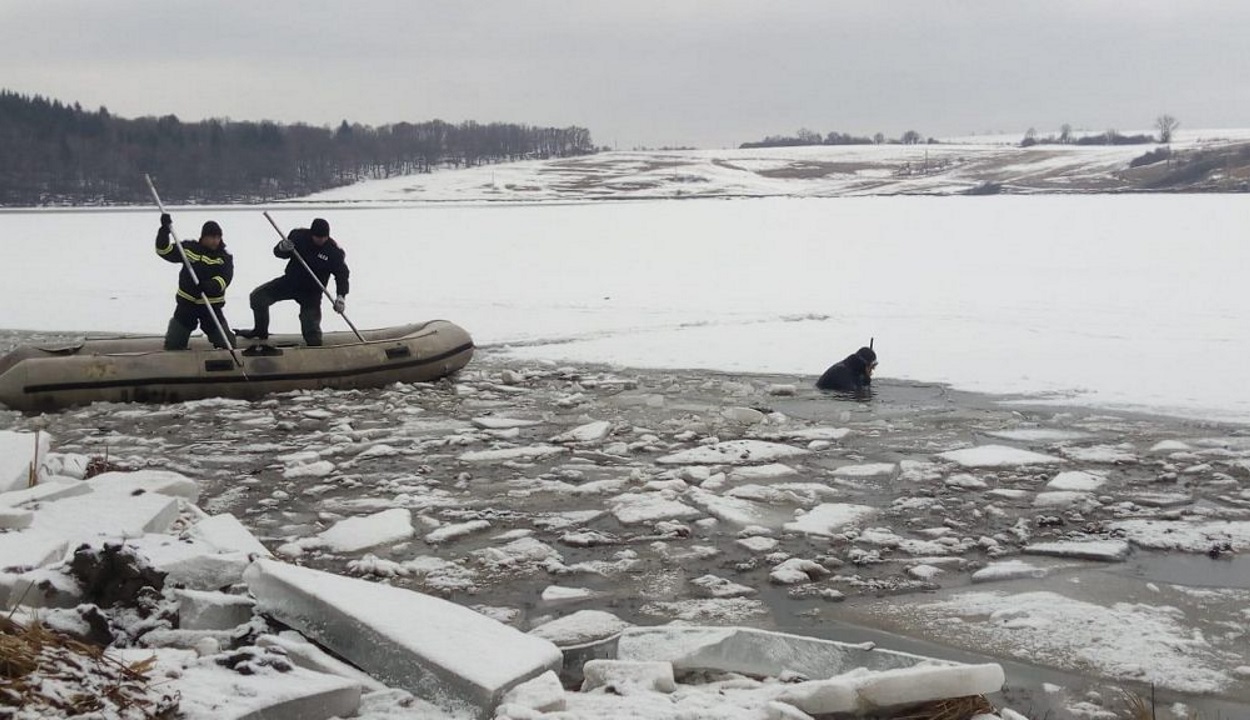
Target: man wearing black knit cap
[
  {"x": 852, "y": 374},
  {"x": 324, "y": 258},
  {"x": 214, "y": 269}
]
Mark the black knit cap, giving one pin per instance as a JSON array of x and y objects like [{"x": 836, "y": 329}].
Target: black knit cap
[
  {"x": 320, "y": 228},
  {"x": 210, "y": 229}
]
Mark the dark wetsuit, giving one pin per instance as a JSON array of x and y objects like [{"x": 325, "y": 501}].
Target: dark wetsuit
[{"x": 851, "y": 373}]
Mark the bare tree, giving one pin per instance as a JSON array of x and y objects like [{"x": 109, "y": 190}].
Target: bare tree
[
  {"x": 1065, "y": 133},
  {"x": 911, "y": 137},
  {"x": 808, "y": 137},
  {"x": 878, "y": 138},
  {"x": 1166, "y": 125}
]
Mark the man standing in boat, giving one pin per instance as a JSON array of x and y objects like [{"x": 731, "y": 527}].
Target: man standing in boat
[
  {"x": 214, "y": 268},
  {"x": 303, "y": 282}
]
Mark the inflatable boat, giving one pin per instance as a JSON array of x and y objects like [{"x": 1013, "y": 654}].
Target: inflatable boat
[{"x": 138, "y": 369}]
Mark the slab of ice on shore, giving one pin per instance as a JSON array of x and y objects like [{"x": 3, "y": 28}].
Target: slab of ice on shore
[{"x": 459, "y": 659}]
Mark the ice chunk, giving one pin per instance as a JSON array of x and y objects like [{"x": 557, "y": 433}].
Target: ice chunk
[
  {"x": 26, "y": 549},
  {"x": 15, "y": 518},
  {"x": 717, "y": 587},
  {"x": 1101, "y": 454},
  {"x": 911, "y": 686},
  {"x": 1169, "y": 446},
  {"x": 581, "y": 627},
  {"x": 964, "y": 481},
  {"x": 830, "y": 518},
  {"x": 623, "y": 676},
  {"x": 85, "y": 517},
  {"x": 743, "y": 415},
  {"x": 795, "y": 571},
  {"x": 865, "y": 470},
  {"x": 1008, "y": 570},
  {"x": 357, "y": 533},
  {"x": 588, "y": 433},
  {"x": 754, "y": 473},
  {"x": 1108, "y": 550},
  {"x": 559, "y": 595},
  {"x": 307, "y": 655},
  {"x": 636, "y": 508},
  {"x": 205, "y": 610},
  {"x": 757, "y": 652},
  {"x": 52, "y": 488},
  {"x": 163, "y": 482},
  {"x": 226, "y": 534},
  {"x": 997, "y": 456},
  {"x": 532, "y": 452},
  {"x": 459, "y": 659},
  {"x": 1063, "y": 499},
  {"x": 731, "y": 509},
  {"x": 500, "y": 423},
  {"x": 733, "y": 452},
  {"x": 544, "y": 694},
  {"x": 191, "y": 563},
  {"x": 17, "y": 452},
  {"x": 1076, "y": 480},
  {"x": 1038, "y": 435},
  {"x": 455, "y": 531},
  {"x": 209, "y": 692}
]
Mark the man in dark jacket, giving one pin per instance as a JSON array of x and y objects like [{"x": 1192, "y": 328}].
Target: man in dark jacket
[
  {"x": 851, "y": 374},
  {"x": 324, "y": 258},
  {"x": 214, "y": 268}
]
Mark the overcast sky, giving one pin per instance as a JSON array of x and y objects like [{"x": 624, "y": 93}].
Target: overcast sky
[{"x": 707, "y": 73}]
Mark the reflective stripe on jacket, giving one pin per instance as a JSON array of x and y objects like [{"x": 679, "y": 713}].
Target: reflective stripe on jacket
[{"x": 216, "y": 266}]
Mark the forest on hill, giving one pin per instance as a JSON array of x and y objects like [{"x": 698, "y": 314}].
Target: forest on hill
[{"x": 53, "y": 153}]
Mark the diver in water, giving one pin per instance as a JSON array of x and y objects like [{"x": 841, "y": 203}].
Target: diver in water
[{"x": 854, "y": 373}]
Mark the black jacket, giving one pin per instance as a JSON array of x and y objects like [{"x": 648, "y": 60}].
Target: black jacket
[
  {"x": 327, "y": 260},
  {"x": 848, "y": 375},
  {"x": 214, "y": 268}
]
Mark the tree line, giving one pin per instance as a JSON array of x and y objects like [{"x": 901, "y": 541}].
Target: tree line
[
  {"x": 1165, "y": 124},
  {"x": 53, "y": 153},
  {"x": 810, "y": 137}
]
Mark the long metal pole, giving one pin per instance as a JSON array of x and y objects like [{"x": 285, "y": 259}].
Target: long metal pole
[
  {"x": 313, "y": 275},
  {"x": 195, "y": 279}
]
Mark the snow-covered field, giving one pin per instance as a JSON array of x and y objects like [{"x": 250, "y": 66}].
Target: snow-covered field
[{"x": 954, "y": 166}]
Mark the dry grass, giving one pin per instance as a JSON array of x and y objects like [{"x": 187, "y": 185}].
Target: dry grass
[
  {"x": 98, "y": 465},
  {"x": 1137, "y": 707},
  {"x": 46, "y": 672},
  {"x": 961, "y": 708},
  {"x": 32, "y": 471}
]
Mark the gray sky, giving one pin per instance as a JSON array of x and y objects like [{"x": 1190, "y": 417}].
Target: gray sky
[{"x": 708, "y": 73}]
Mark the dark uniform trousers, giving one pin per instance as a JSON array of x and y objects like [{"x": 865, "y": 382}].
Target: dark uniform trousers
[
  {"x": 283, "y": 288},
  {"x": 187, "y": 315}
]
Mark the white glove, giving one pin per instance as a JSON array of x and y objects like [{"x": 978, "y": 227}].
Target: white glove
[
  {"x": 286, "y": 245},
  {"x": 340, "y": 304}
]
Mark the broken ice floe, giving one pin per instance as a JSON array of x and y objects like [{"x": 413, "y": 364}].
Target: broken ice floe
[
  {"x": 987, "y": 456},
  {"x": 733, "y": 452}
]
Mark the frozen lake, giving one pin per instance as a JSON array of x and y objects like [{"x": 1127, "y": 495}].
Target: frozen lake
[
  {"x": 1131, "y": 302},
  {"x": 1118, "y": 302}
]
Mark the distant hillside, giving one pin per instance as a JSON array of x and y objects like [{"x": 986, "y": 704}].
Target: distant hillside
[
  {"x": 1199, "y": 162},
  {"x": 52, "y": 153}
]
